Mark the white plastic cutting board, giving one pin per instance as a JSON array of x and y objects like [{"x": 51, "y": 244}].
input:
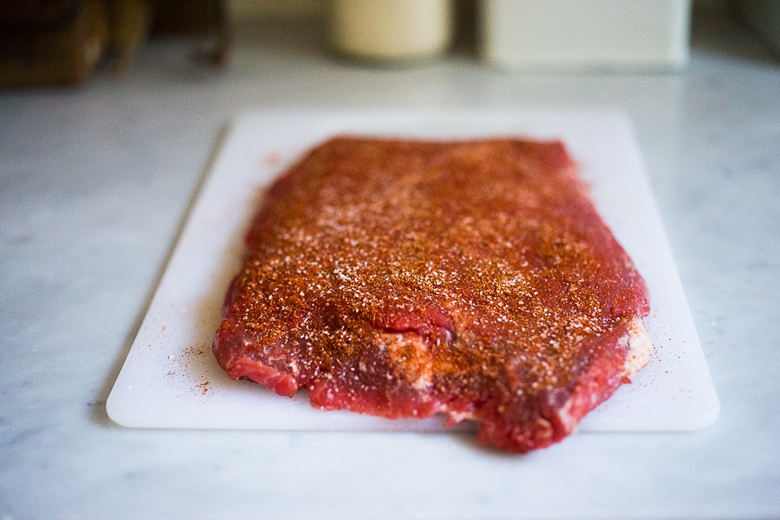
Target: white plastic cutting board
[{"x": 170, "y": 378}]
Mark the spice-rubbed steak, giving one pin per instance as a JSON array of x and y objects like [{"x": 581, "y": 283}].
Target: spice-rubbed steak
[{"x": 407, "y": 278}]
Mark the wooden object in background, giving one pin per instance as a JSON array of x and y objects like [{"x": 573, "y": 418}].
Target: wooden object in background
[
  {"x": 186, "y": 17},
  {"x": 61, "y": 42},
  {"x": 129, "y": 22},
  {"x": 50, "y": 42}
]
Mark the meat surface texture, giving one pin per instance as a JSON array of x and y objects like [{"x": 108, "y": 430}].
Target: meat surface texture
[{"x": 409, "y": 278}]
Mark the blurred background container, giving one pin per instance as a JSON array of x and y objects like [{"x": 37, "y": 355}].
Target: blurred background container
[
  {"x": 390, "y": 30},
  {"x": 586, "y": 34}
]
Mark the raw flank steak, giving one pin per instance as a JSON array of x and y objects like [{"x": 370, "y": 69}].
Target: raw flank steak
[{"x": 404, "y": 278}]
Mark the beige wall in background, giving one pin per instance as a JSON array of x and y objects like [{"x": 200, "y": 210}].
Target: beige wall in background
[
  {"x": 303, "y": 8},
  {"x": 253, "y": 9}
]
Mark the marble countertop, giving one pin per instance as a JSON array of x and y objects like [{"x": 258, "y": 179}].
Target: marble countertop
[{"x": 95, "y": 182}]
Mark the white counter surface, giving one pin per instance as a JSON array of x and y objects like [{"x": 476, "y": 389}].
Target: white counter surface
[{"x": 95, "y": 182}]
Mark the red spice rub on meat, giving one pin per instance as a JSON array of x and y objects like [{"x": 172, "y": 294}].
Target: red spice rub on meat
[{"x": 408, "y": 278}]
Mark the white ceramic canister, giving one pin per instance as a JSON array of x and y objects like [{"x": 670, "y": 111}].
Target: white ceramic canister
[
  {"x": 390, "y": 30},
  {"x": 571, "y": 35}
]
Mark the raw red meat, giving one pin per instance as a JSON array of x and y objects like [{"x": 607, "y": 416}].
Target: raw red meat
[{"x": 409, "y": 278}]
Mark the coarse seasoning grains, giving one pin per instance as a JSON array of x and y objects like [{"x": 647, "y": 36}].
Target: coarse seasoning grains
[{"x": 406, "y": 278}]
